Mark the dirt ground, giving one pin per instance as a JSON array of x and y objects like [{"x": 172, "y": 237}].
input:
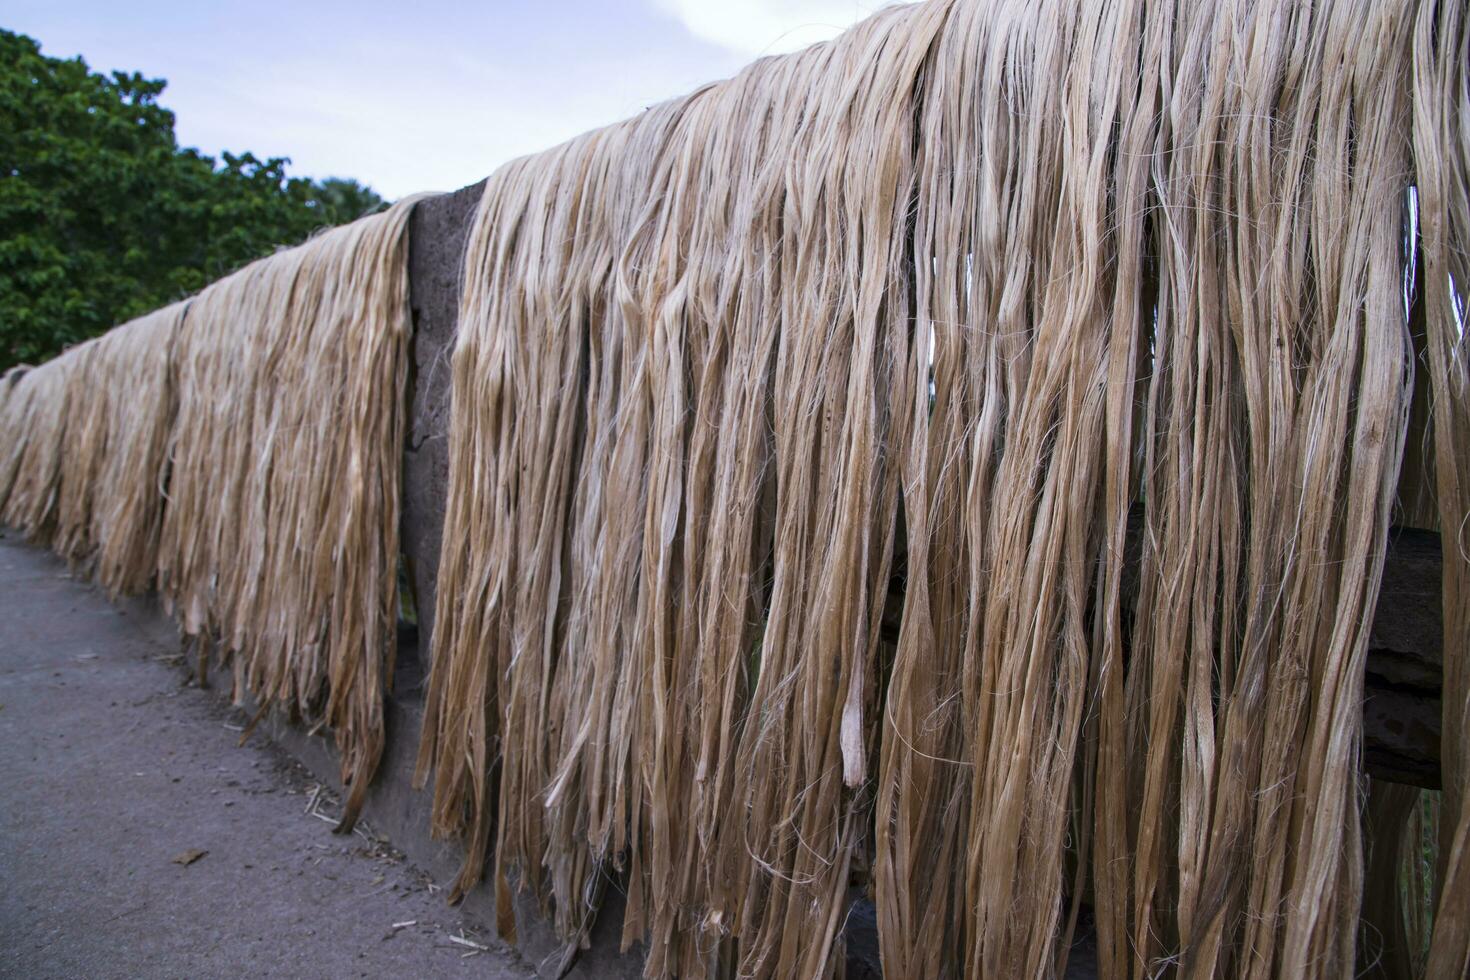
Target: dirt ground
[{"x": 138, "y": 840}]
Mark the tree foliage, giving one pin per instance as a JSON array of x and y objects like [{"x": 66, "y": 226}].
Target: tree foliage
[{"x": 103, "y": 216}]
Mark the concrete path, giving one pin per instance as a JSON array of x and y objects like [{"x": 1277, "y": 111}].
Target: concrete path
[{"x": 115, "y": 772}]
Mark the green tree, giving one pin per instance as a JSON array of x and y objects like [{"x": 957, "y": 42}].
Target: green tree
[
  {"x": 342, "y": 199},
  {"x": 104, "y": 217}
]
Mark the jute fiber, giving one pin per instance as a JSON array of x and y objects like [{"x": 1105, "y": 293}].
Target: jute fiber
[
  {"x": 796, "y": 429},
  {"x": 119, "y": 409},
  {"x": 84, "y": 469},
  {"x": 280, "y": 536},
  {"x": 139, "y": 408},
  {"x": 35, "y": 425},
  {"x": 243, "y": 450}
]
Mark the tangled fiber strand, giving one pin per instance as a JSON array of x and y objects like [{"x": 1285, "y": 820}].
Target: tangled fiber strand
[
  {"x": 281, "y": 532},
  {"x": 1000, "y": 277}
]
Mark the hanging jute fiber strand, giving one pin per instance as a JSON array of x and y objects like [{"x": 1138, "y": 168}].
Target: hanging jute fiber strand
[
  {"x": 970, "y": 285},
  {"x": 141, "y": 407},
  {"x": 119, "y": 412},
  {"x": 280, "y": 535},
  {"x": 952, "y": 464},
  {"x": 35, "y": 425},
  {"x": 243, "y": 449},
  {"x": 83, "y": 469}
]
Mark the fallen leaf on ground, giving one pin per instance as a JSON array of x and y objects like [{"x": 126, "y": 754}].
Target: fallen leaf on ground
[{"x": 190, "y": 856}]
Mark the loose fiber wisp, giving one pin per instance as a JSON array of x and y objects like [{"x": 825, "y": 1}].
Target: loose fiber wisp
[{"x": 797, "y": 426}]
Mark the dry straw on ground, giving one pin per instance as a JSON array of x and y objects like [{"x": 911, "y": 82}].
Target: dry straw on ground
[{"x": 988, "y": 276}]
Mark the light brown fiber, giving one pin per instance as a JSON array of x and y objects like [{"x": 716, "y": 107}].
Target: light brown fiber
[
  {"x": 957, "y": 460},
  {"x": 950, "y": 467},
  {"x": 280, "y": 538},
  {"x": 243, "y": 450}
]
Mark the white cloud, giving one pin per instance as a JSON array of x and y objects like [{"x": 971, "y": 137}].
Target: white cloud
[{"x": 760, "y": 27}]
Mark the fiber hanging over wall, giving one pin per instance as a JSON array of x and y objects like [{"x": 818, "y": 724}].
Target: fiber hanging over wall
[
  {"x": 280, "y": 538},
  {"x": 141, "y": 406},
  {"x": 629, "y": 332},
  {"x": 976, "y": 280},
  {"x": 1440, "y": 74},
  {"x": 243, "y": 448},
  {"x": 119, "y": 411},
  {"x": 35, "y": 425},
  {"x": 83, "y": 467}
]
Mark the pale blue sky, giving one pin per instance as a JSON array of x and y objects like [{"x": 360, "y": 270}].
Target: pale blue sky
[{"x": 419, "y": 95}]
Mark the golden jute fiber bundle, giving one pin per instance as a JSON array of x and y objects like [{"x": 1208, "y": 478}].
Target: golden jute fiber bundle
[
  {"x": 606, "y": 549},
  {"x": 280, "y": 537},
  {"x": 1441, "y": 134},
  {"x": 119, "y": 410},
  {"x": 83, "y": 446},
  {"x": 16, "y": 400},
  {"x": 244, "y": 447},
  {"x": 35, "y": 427},
  {"x": 140, "y": 410},
  {"x": 981, "y": 279}
]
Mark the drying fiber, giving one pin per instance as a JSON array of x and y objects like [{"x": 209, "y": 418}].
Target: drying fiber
[
  {"x": 797, "y": 427},
  {"x": 241, "y": 450},
  {"x": 35, "y": 424},
  {"x": 138, "y": 405},
  {"x": 119, "y": 409},
  {"x": 84, "y": 470},
  {"x": 1441, "y": 134},
  {"x": 279, "y": 540}
]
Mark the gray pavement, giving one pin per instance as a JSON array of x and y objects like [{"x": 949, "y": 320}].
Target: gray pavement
[{"x": 114, "y": 769}]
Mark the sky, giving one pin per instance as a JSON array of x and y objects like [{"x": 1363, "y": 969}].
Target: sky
[{"x": 419, "y": 95}]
